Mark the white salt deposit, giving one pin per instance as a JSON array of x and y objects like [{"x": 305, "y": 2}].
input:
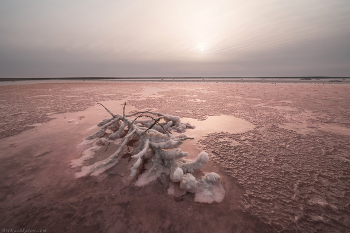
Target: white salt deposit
[
  {"x": 202, "y": 159},
  {"x": 86, "y": 155},
  {"x": 209, "y": 189},
  {"x": 177, "y": 175},
  {"x": 146, "y": 177},
  {"x": 215, "y": 194},
  {"x": 175, "y": 190},
  {"x": 188, "y": 183}
]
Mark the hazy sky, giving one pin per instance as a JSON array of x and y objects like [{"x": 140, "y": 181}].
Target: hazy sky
[{"x": 45, "y": 38}]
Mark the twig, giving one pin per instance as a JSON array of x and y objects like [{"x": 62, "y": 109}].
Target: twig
[
  {"x": 162, "y": 160},
  {"x": 142, "y": 116},
  {"x": 107, "y": 146},
  {"x": 184, "y": 139},
  {"x": 107, "y": 110},
  {"x": 153, "y": 124},
  {"x": 154, "y": 113},
  {"x": 159, "y": 181},
  {"x": 164, "y": 129},
  {"x": 124, "y": 110}
]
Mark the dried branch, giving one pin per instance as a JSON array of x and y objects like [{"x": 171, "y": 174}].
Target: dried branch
[
  {"x": 154, "y": 113},
  {"x": 142, "y": 116},
  {"x": 107, "y": 146},
  {"x": 187, "y": 138},
  {"x": 154, "y": 120},
  {"x": 108, "y": 110},
  {"x": 124, "y": 110}
]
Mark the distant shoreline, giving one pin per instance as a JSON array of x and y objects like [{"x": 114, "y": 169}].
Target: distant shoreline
[{"x": 311, "y": 79}]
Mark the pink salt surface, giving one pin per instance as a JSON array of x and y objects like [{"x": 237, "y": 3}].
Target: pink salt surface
[{"x": 286, "y": 169}]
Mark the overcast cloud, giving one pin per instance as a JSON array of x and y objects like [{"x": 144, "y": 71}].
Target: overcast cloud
[{"x": 41, "y": 38}]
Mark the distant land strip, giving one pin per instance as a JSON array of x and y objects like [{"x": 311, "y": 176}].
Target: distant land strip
[{"x": 228, "y": 79}]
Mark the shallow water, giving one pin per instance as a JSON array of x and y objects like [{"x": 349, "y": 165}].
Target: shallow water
[
  {"x": 335, "y": 129},
  {"x": 212, "y": 124}
]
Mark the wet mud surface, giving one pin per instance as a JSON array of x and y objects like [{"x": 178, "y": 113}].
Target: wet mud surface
[
  {"x": 22, "y": 106},
  {"x": 286, "y": 170}
]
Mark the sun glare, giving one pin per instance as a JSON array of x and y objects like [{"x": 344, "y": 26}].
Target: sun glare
[{"x": 201, "y": 47}]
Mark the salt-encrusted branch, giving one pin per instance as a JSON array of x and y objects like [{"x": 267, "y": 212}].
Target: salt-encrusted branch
[
  {"x": 122, "y": 147},
  {"x": 144, "y": 150},
  {"x": 105, "y": 121},
  {"x": 170, "y": 144},
  {"x": 102, "y": 131},
  {"x": 139, "y": 157},
  {"x": 197, "y": 164},
  {"x": 115, "y": 126},
  {"x": 119, "y": 132},
  {"x": 157, "y": 149}
]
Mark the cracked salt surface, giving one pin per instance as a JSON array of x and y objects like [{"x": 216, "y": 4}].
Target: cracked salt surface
[{"x": 293, "y": 181}]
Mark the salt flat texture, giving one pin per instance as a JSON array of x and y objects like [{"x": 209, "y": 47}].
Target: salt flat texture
[{"x": 289, "y": 170}]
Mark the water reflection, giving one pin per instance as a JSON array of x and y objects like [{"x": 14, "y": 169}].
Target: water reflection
[{"x": 212, "y": 124}]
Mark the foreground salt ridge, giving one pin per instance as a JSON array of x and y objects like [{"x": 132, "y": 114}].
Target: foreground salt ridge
[{"x": 157, "y": 152}]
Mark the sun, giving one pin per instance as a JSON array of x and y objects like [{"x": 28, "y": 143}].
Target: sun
[{"x": 201, "y": 47}]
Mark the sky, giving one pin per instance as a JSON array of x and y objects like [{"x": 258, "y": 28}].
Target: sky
[{"x": 182, "y": 38}]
